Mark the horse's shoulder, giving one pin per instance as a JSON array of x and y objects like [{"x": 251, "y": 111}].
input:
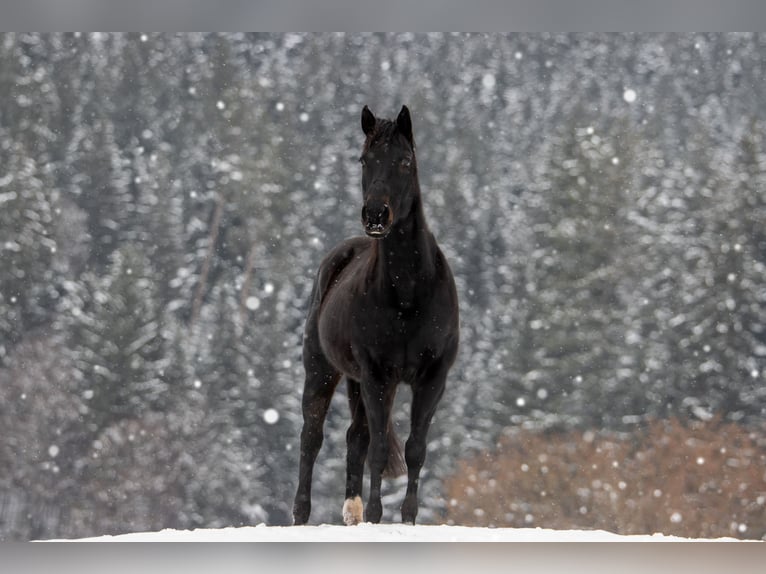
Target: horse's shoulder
[
  {"x": 338, "y": 258},
  {"x": 343, "y": 252}
]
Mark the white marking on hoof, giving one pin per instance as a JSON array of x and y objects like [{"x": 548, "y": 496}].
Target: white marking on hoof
[{"x": 353, "y": 511}]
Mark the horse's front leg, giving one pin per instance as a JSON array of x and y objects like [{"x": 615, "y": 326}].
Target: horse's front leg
[
  {"x": 321, "y": 380},
  {"x": 357, "y": 440},
  {"x": 378, "y": 398},
  {"x": 426, "y": 396}
]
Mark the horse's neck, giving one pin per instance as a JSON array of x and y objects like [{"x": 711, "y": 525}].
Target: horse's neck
[{"x": 404, "y": 258}]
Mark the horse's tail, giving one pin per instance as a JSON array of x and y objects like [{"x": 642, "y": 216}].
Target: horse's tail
[{"x": 396, "y": 464}]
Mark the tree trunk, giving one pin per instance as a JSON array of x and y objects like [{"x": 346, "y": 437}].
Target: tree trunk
[
  {"x": 249, "y": 266},
  {"x": 212, "y": 240}
]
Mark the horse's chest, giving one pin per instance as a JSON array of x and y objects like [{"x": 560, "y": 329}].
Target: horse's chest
[
  {"x": 387, "y": 329},
  {"x": 392, "y": 339}
]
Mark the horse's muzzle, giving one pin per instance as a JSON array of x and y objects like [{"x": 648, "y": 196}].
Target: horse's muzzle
[{"x": 377, "y": 219}]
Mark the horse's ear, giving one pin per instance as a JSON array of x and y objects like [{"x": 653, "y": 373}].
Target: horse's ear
[
  {"x": 368, "y": 121},
  {"x": 404, "y": 124}
]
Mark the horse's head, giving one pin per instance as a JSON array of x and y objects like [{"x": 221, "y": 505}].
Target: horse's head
[{"x": 389, "y": 171}]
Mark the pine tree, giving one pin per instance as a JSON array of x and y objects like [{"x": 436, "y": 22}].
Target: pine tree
[
  {"x": 717, "y": 337},
  {"x": 116, "y": 341},
  {"x": 579, "y": 218},
  {"x": 28, "y": 245}
]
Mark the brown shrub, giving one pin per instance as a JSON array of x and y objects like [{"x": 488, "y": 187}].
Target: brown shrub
[{"x": 700, "y": 480}]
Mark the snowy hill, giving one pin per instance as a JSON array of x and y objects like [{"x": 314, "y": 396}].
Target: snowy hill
[{"x": 383, "y": 533}]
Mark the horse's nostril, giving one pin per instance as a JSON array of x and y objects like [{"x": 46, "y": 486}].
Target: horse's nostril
[{"x": 376, "y": 214}]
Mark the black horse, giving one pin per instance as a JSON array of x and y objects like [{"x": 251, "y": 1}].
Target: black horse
[{"x": 384, "y": 310}]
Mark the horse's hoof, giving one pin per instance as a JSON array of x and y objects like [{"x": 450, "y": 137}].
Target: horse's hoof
[
  {"x": 374, "y": 511},
  {"x": 301, "y": 513},
  {"x": 409, "y": 510},
  {"x": 353, "y": 511}
]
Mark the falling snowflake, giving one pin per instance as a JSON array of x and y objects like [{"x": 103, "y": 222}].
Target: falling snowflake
[{"x": 270, "y": 416}]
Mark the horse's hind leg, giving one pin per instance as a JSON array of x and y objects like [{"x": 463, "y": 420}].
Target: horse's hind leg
[
  {"x": 321, "y": 380},
  {"x": 357, "y": 441}
]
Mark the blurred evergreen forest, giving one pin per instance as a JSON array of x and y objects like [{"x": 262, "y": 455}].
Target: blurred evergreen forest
[{"x": 165, "y": 201}]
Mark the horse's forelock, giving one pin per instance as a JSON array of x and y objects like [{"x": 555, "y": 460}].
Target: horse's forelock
[{"x": 385, "y": 132}]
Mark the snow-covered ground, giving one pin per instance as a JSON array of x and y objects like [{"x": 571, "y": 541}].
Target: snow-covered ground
[
  {"x": 383, "y": 533},
  {"x": 435, "y": 555}
]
